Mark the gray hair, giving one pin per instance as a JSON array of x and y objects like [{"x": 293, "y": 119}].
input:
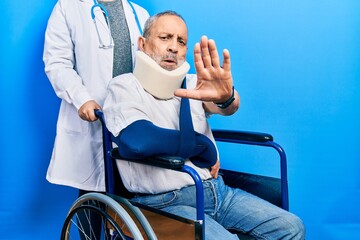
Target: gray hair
[{"x": 150, "y": 21}]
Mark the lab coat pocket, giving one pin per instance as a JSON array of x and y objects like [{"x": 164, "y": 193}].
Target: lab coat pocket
[{"x": 70, "y": 121}]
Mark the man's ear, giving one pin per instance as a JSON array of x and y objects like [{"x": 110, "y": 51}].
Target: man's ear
[{"x": 141, "y": 43}]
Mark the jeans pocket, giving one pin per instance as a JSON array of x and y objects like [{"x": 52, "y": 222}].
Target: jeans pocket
[{"x": 158, "y": 200}]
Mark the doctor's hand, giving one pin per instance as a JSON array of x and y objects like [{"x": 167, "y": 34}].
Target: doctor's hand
[
  {"x": 86, "y": 111},
  {"x": 214, "y": 82}
]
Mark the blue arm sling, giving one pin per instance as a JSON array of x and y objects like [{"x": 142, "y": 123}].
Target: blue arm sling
[{"x": 143, "y": 139}]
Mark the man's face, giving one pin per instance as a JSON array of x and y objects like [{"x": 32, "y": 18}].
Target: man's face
[{"x": 167, "y": 42}]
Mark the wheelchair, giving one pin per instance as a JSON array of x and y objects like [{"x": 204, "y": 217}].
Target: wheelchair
[{"x": 111, "y": 215}]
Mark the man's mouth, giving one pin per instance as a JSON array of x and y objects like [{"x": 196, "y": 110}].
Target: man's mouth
[
  {"x": 170, "y": 61},
  {"x": 169, "y": 64}
]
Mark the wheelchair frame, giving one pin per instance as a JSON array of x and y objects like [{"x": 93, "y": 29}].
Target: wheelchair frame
[{"x": 101, "y": 203}]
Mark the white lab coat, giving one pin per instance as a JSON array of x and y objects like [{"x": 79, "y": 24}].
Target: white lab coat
[{"x": 79, "y": 71}]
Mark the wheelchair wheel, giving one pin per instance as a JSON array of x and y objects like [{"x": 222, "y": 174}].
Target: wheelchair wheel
[{"x": 98, "y": 216}]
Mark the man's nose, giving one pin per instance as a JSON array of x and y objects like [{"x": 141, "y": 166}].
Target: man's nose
[{"x": 173, "y": 46}]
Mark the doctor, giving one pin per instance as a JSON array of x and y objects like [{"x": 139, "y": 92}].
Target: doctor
[{"x": 86, "y": 45}]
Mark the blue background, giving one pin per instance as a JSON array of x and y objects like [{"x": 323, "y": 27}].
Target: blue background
[{"x": 295, "y": 63}]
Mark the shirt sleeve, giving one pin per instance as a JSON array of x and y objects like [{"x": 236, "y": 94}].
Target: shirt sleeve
[
  {"x": 59, "y": 59},
  {"x": 124, "y": 103}
]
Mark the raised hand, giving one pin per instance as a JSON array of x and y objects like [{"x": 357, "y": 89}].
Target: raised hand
[{"x": 214, "y": 81}]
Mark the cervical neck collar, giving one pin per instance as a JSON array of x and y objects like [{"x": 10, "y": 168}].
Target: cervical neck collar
[{"x": 156, "y": 80}]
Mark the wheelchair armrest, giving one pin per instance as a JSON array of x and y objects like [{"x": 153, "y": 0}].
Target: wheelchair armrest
[
  {"x": 234, "y": 136},
  {"x": 168, "y": 162},
  {"x": 260, "y": 139}
]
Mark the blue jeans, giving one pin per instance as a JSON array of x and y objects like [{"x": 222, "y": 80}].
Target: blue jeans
[{"x": 229, "y": 209}]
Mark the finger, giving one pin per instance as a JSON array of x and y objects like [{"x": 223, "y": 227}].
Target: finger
[
  {"x": 226, "y": 62},
  {"x": 215, "y": 60},
  {"x": 188, "y": 93},
  {"x": 203, "y": 94},
  {"x": 91, "y": 115},
  {"x": 82, "y": 114},
  {"x": 85, "y": 117},
  {"x": 198, "y": 62},
  {"x": 204, "y": 44},
  {"x": 214, "y": 171}
]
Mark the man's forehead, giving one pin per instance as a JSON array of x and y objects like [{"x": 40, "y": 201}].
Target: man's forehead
[{"x": 170, "y": 24}]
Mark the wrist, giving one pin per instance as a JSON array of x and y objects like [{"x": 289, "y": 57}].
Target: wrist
[{"x": 227, "y": 102}]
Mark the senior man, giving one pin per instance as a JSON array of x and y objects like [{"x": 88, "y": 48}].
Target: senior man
[{"x": 147, "y": 114}]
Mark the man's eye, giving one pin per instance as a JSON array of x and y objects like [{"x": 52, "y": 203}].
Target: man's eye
[
  {"x": 182, "y": 42},
  {"x": 163, "y": 38}
]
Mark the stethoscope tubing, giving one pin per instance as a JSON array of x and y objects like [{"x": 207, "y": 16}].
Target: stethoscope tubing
[{"x": 96, "y": 4}]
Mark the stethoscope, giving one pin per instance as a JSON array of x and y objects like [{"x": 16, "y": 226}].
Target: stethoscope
[{"x": 106, "y": 15}]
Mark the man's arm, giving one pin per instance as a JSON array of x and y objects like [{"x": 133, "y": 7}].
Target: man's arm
[
  {"x": 59, "y": 60},
  {"x": 137, "y": 141}
]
